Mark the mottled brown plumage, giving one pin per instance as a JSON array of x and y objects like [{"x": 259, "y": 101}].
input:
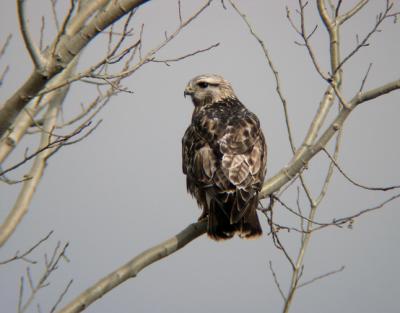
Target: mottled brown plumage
[{"x": 224, "y": 158}]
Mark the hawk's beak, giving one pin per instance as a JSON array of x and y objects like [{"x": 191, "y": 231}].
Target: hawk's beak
[{"x": 188, "y": 91}]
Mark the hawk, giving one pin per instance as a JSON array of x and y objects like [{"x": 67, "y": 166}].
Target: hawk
[{"x": 224, "y": 158}]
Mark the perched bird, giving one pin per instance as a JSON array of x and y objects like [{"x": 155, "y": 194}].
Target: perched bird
[{"x": 224, "y": 158}]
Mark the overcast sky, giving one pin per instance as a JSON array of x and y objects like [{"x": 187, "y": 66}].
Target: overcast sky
[{"x": 121, "y": 190}]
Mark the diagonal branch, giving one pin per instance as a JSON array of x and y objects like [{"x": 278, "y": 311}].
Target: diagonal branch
[
  {"x": 23, "y": 256},
  {"x": 134, "y": 266},
  {"x": 24, "y": 120},
  {"x": 24, "y": 198},
  {"x": 5, "y": 45},
  {"x": 343, "y": 18},
  {"x": 334, "y": 162},
  {"x": 307, "y": 151},
  {"x": 321, "y": 276}
]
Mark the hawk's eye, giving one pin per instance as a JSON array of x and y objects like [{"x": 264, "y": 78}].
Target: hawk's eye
[{"x": 202, "y": 85}]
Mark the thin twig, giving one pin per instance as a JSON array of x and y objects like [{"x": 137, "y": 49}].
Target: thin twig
[
  {"x": 274, "y": 71},
  {"x": 276, "y": 281},
  {"x": 5, "y": 45},
  {"x": 343, "y": 18},
  {"x": 365, "y": 78},
  {"x": 299, "y": 215},
  {"x": 306, "y": 37},
  {"x": 353, "y": 181},
  {"x": 42, "y": 282},
  {"x": 60, "y": 298},
  {"x": 34, "y": 52},
  {"x": 50, "y": 145},
  {"x": 21, "y": 294},
  {"x": 42, "y": 27},
  {"x": 27, "y": 252},
  {"x": 321, "y": 277},
  {"x": 166, "y": 61},
  {"x": 380, "y": 18},
  {"x": 3, "y": 74},
  {"x": 180, "y": 12},
  {"x": 64, "y": 25},
  {"x": 54, "y": 12},
  {"x": 338, "y": 8},
  {"x": 362, "y": 212},
  {"x": 274, "y": 232},
  {"x": 329, "y": 174}
]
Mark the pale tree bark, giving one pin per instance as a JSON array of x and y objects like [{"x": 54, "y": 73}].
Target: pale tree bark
[
  {"x": 55, "y": 100},
  {"x": 134, "y": 266},
  {"x": 65, "y": 47},
  {"x": 53, "y": 73}
]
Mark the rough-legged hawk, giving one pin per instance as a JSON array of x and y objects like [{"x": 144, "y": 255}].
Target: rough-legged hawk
[{"x": 224, "y": 158}]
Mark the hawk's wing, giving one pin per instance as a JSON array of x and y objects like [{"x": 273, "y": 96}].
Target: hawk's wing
[
  {"x": 244, "y": 155},
  {"x": 199, "y": 164},
  {"x": 226, "y": 162}
]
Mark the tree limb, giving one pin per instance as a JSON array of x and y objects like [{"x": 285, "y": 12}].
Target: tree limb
[
  {"x": 29, "y": 186},
  {"x": 343, "y": 18},
  {"x": 134, "y": 266},
  {"x": 24, "y": 120},
  {"x": 307, "y": 151},
  {"x": 67, "y": 48},
  {"x": 38, "y": 60}
]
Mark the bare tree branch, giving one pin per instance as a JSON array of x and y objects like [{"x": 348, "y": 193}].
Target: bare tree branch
[
  {"x": 50, "y": 266},
  {"x": 328, "y": 177},
  {"x": 343, "y": 18},
  {"x": 3, "y": 74},
  {"x": 67, "y": 48},
  {"x": 5, "y": 45},
  {"x": 166, "y": 61},
  {"x": 308, "y": 150},
  {"x": 24, "y": 120},
  {"x": 350, "y": 219},
  {"x": 63, "y": 28},
  {"x": 54, "y": 12},
  {"x": 25, "y": 196},
  {"x": 133, "y": 267},
  {"x": 60, "y": 298},
  {"x": 62, "y": 141},
  {"x": 29, "y": 186},
  {"x": 23, "y": 256},
  {"x": 306, "y": 38},
  {"x": 321, "y": 277},
  {"x": 354, "y": 182},
  {"x": 381, "y": 17},
  {"x": 274, "y": 71},
  {"x": 276, "y": 281},
  {"x": 365, "y": 78},
  {"x": 37, "y": 58}
]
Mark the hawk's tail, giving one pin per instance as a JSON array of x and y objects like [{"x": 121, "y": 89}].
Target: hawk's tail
[
  {"x": 221, "y": 228},
  {"x": 249, "y": 226}
]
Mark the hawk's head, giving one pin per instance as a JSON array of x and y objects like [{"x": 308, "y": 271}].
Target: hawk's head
[{"x": 208, "y": 88}]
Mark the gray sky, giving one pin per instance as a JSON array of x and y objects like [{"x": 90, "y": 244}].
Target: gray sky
[{"x": 122, "y": 190}]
